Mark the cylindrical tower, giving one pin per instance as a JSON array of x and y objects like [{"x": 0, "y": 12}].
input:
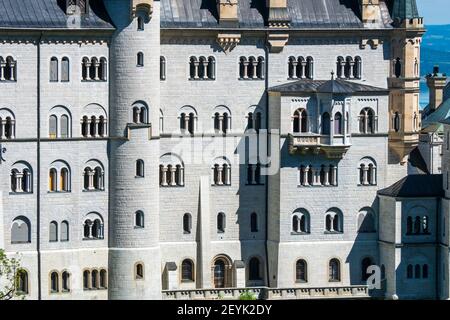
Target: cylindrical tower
[{"x": 134, "y": 257}]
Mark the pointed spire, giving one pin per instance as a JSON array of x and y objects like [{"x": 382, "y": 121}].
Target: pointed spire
[{"x": 404, "y": 9}]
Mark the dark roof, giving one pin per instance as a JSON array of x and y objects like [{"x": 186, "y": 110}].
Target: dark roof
[
  {"x": 49, "y": 14},
  {"x": 416, "y": 160},
  {"x": 404, "y": 9},
  {"x": 337, "y": 86},
  {"x": 446, "y": 121},
  {"x": 303, "y": 14},
  {"x": 416, "y": 186}
]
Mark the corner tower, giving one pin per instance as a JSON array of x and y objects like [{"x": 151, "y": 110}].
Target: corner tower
[
  {"x": 404, "y": 77},
  {"x": 134, "y": 258}
]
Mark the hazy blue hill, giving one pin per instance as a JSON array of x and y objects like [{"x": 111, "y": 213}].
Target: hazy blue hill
[{"x": 435, "y": 51}]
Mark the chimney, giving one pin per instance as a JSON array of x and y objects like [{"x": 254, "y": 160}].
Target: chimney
[
  {"x": 228, "y": 12},
  {"x": 436, "y": 83},
  {"x": 370, "y": 11}
]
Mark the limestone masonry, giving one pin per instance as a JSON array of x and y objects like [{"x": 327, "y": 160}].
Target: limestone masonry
[{"x": 197, "y": 149}]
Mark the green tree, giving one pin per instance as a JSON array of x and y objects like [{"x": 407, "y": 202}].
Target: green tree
[
  {"x": 247, "y": 295},
  {"x": 9, "y": 270}
]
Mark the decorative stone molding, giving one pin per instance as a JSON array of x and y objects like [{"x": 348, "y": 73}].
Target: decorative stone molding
[
  {"x": 277, "y": 41},
  {"x": 373, "y": 43},
  {"x": 370, "y": 11},
  {"x": 146, "y": 5},
  {"x": 228, "y": 11},
  {"x": 228, "y": 41}
]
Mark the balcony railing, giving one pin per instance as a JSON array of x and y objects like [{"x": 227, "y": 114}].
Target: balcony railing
[
  {"x": 333, "y": 147},
  {"x": 264, "y": 293}
]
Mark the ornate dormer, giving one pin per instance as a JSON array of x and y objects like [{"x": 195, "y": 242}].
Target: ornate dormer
[
  {"x": 228, "y": 18},
  {"x": 144, "y": 5},
  {"x": 74, "y": 7},
  {"x": 278, "y": 21},
  {"x": 228, "y": 12},
  {"x": 370, "y": 11}
]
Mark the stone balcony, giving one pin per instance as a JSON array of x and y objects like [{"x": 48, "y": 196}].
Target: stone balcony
[
  {"x": 264, "y": 293},
  {"x": 332, "y": 147}
]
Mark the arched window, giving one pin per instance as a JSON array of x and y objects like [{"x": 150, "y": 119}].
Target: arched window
[
  {"x": 221, "y": 222},
  {"x": 326, "y": 123},
  {"x": 211, "y": 69},
  {"x": 221, "y": 274},
  {"x": 64, "y": 231},
  {"x": 193, "y": 68},
  {"x": 21, "y": 178},
  {"x": 21, "y": 230},
  {"x": 367, "y": 172},
  {"x": 254, "y": 222},
  {"x": 53, "y": 231},
  {"x": 93, "y": 228},
  {"x": 103, "y": 69},
  {"x": 338, "y": 128},
  {"x": 365, "y": 264},
  {"x": 53, "y": 127},
  {"x": 103, "y": 279},
  {"x": 65, "y": 281},
  {"x": 140, "y": 168},
  {"x": 301, "y": 271},
  {"x": 417, "y": 271},
  {"x": 409, "y": 225},
  {"x": 187, "y": 223},
  {"x": 52, "y": 184},
  {"x": 333, "y": 221},
  {"x": 292, "y": 68},
  {"x": 162, "y": 68},
  {"x": 85, "y": 127},
  {"x": 94, "y": 176},
  {"x": 187, "y": 271},
  {"x": 425, "y": 271},
  {"x": 300, "y": 121},
  {"x": 171, "y": 171},
  {"x": 309, "y": 69},
  {"x": 139, "y": 272},
  {"x": 7, "y": 124},
  {"x": 86, "y": 280},
  {"x": 417, "y": 225},
  {"x": 65, "y": 70},
  {"x": 367, "y": 121},
  {"x": 398, "y": 68},
  {"x": 53, "y": 69},
  {"x": 21, "y": 283},
  {"x": 140, "y": 24},
  {"x": 85, "y": 66},
  {"x": 260, "y": 71},
  {"x": 334, "y": 270},
  {"x": 140, "y": 59},
  {"x": 221, "y": 172},
  {"x": 348, "y": 67},
  {"x": 300, "y": 221},
  {"x": 357, "y": 68},
  {"x": 65, "y": 180},
  {"x": 8, "y": 69},
  {"x": 139, "y": 219},
  {"x": 94, "y": 279},
  {"x": 340, "y": 65},
  {"x": 425, "y": 225},
  {"x": 54, "y": 282},
  {"x": 254, "y": 272},
  {"x": 396, "y": 122},
  {"x": 64, "y": 126}
]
